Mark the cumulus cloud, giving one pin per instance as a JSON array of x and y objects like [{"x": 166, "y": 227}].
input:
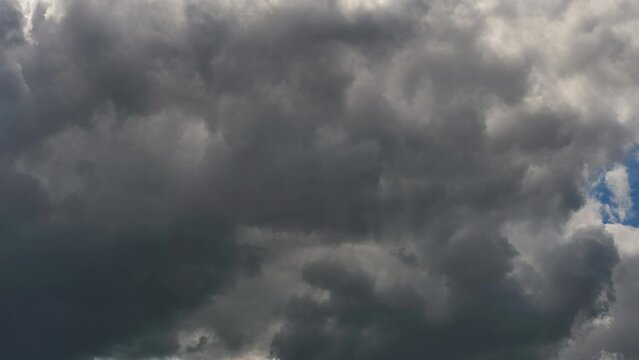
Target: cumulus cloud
[
  {"x": 316, "y": 179},
  {"x": 621, "y": 204}
]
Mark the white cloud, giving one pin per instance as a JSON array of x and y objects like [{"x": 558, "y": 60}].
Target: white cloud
[
  {"x": 617, "y": 180},
  {"x": 626, "y": 238}
]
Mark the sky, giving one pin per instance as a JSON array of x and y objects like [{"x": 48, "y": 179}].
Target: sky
[
  {"x": 319, "y": 180},
  {"x": 616, "y": 189}
]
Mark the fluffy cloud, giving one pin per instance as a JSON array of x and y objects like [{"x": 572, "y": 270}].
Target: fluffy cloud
[
  {"x": 617, "y": 183},
  {"x": 315, "y": 179}
]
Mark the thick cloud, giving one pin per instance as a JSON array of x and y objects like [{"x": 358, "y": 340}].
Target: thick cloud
[
  {"x": 312, "y": 179},
  {"x": 106, "y": 269},
  {"x": 11, "y": 30},
  {"x": 488, "y": 312}
]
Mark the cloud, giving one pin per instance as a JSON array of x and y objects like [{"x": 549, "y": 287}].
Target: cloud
[
  {"x": 314, "y": 179},
  {"x": 11, "y": 24},
  {"x": 83, "y": 279},
  {"x": 357, "y": 321},
  {"x": 618, "y": 183}
]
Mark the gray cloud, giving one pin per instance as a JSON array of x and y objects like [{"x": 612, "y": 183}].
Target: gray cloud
[
  {"x": 489, "y": 312},
  {"x": 317, "y": 180}
]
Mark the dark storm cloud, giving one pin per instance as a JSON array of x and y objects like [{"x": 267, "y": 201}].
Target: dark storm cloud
[
  {"x": 618, "y": 338},
  {"x": 613, "y": 337},
  {"x": 489, "y": 313},
  {"x": 11, "y": 34},
  {"x": 112, "y": 265},
  {"x": 11, "y": 23},
  {"x": 106, "y": 270},
  {"x": 140, "y": 140},
  {"x": 79, "y": 292}
]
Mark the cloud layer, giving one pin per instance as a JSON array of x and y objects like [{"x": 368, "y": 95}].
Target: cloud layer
[{"x": 318, "y": 180}]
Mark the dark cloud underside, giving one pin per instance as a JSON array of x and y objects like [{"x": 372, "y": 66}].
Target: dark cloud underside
[{"x": 312, "y": 180}]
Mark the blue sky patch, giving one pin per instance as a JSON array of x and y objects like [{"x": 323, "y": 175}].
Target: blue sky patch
[
  {"x": 602, "y": 192},
  {"x": 632, "y": 163}
]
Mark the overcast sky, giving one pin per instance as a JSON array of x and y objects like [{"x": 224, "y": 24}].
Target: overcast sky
[{"x": 319, "y": 179}]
